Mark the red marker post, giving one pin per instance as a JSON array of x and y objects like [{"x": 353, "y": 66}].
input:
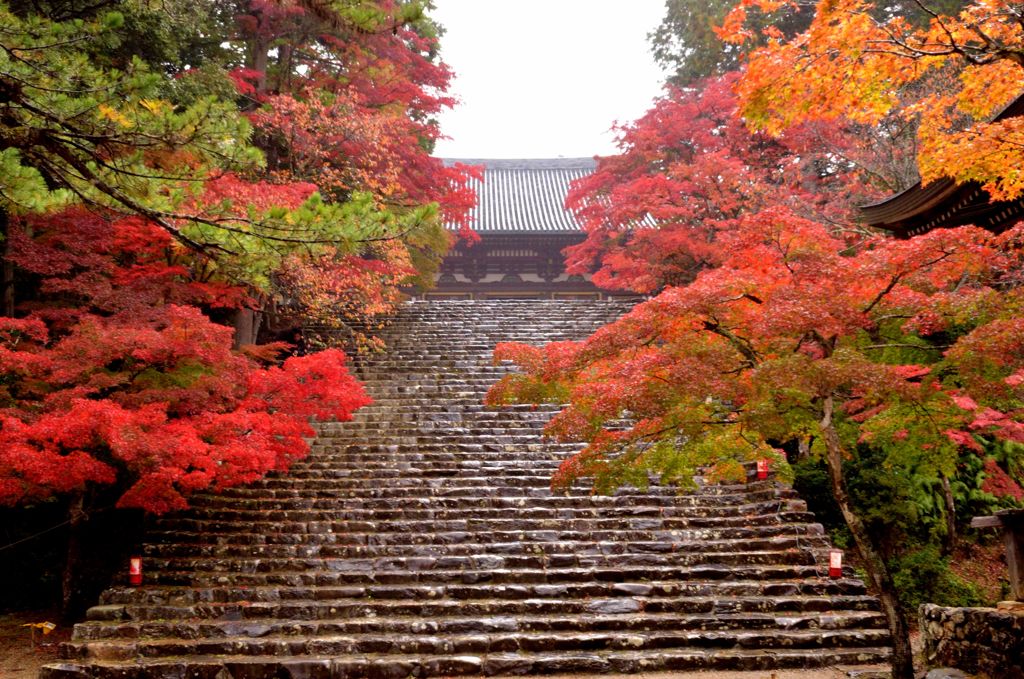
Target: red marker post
[
  {"x": 135, "y": 570},
  {"x": 762, "y": 469},
  {"x": 835, "y": 563}
]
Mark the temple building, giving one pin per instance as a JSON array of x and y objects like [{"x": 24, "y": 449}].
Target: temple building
[
  {"x": 945, "y": 203},
  {"x": 523, "y": 227}
]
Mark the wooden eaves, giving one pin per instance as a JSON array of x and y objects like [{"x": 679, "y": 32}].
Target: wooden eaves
[{"x": 945, "y": 203}]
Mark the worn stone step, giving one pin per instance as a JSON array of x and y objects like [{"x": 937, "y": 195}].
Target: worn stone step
[
  {"x": 347, "y": 455},
  {"x": 473, "y": 483},
  {"x": 622, "y": 605},
  {"x": 380, "y": 498},
  {"x": 539, "y": 559},
  {"x": 478, "y": 545},
  {"x": 215, "y": 629},
  {"x": 362, "y": 520},
  {"x": 448, "y": 423},
  {"x": 156, "y": 596},
  {"x": 550, "y": 574},
  {"x": 394, "y": 666},
  {"x": 454, "y": 537},
  {"x": 519, "y": 642},
  {"x": 342, "y": 491},
  {"x": 320, "y": 476}
]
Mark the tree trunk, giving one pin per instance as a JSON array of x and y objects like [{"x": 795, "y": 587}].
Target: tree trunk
[
  {"x": 877, "y": 570},
  {"x": 949, "y": 542},
  {"x": 247, "y": 327},
  {"x": 69, "y": 579},
  {"x": 6, "y": 270},
  {"x": 259, "y": 57},
  {"x": 803, "y": 448},
  {"x": 284, "y": 67}
]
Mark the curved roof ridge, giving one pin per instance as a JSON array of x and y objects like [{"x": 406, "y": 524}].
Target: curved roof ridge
[
  {"x": 944, "y": 202},
  {"x": 525, "y": 195},
  {"x": 589, "y": 163}
]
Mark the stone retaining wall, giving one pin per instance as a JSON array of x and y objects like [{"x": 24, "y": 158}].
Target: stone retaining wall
[{"x": 974, "y": 640}]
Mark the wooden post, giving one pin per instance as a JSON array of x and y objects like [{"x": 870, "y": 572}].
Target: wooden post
[{"x": 1012, "y": 523}]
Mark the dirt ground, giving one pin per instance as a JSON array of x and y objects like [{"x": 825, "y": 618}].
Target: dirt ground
[{"x": 19, "y": 659}]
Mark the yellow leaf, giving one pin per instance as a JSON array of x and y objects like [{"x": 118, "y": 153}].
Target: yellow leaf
[
  {"x": 155, "y": 106},
  {"x": 114, "y": 116}
]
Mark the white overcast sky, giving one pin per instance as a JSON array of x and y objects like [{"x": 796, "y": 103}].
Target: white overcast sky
[{"x": 545, "y": 78}]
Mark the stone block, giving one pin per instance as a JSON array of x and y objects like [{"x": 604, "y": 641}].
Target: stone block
[{"x": 112, "y": 612}]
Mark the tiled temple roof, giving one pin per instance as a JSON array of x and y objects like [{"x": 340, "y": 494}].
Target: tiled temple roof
[
  {"x": 520, "y": 196},
  {"x": 945, "y": 203}
]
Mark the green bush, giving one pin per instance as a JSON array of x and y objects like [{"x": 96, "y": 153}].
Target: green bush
[
  {"x": 905, "y": 520},
  {"x": 810, "y": 480},
  {"x": 923, "y": 576}
]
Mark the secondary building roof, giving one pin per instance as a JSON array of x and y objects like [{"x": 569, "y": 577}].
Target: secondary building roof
[
  {"x": 518, "y": 196},
  {"x": 945, "y": 203}
]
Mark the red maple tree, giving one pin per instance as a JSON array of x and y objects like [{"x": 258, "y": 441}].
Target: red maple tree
[
  {"x": 689, "y": 168},
  {"x": 795, "y": 337},
  {"x": 114, "y": 380}
]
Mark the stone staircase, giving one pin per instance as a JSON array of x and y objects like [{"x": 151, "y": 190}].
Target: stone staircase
[{"x": 422, "y": 539}]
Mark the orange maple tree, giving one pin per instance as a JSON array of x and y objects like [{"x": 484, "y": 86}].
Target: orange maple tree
[{"x": 851, "y": 63}]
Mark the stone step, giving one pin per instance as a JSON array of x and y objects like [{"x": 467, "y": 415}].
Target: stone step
[
  {"x": 440, "y": 576},
  {"x": 447, "y": 415},
  {"x": 352, "y": 608},
  {"x": 343, "y": 452},
  {"x": 634, "y": 622},
  {"x": 344, "y": 458},
  {"x": 442, "y": 431},
  {"x": 328, "y": 478},
  {"x": 319, "y": 476},
  {"x": 519, "y": 642},
  {"x": 396, "y": 412},
  {"x": 792, "y": 510},
  {"x": 378, "y": 666},
  {"x": 323, "y": 474},
  {"x": 158, "y": 596},
  {"x": 541, "y": 558},
  {"x": 367, "y": 520},
  {"x": 538, "y": 498},
  {"x": 480, "y": 545},
  {"x": 530, "y": 439},
  {"x": 510, "y": 488},
  {"x": 388, "y": 406},
  {"x": 453, "y": 537}
]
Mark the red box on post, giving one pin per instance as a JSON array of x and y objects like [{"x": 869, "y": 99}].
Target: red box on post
[
  {"x": 835, "y": 563},
  {"x": 135, "y": 570},
  {"x": 762, "y": 469}
]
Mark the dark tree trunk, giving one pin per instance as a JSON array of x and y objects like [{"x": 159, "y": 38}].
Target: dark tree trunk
[
  {"x": 6, "y": 270},
  {"x": 69, "y": 580},
  {"x": 949, "y": 542},
  {"x": 259, "y": 58},
  {"x": 284, "y": 66},
  {"x": 803, "y": 449},
  {"x": 247, "y": 327},
  {"x": 874, "y": 563}
]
